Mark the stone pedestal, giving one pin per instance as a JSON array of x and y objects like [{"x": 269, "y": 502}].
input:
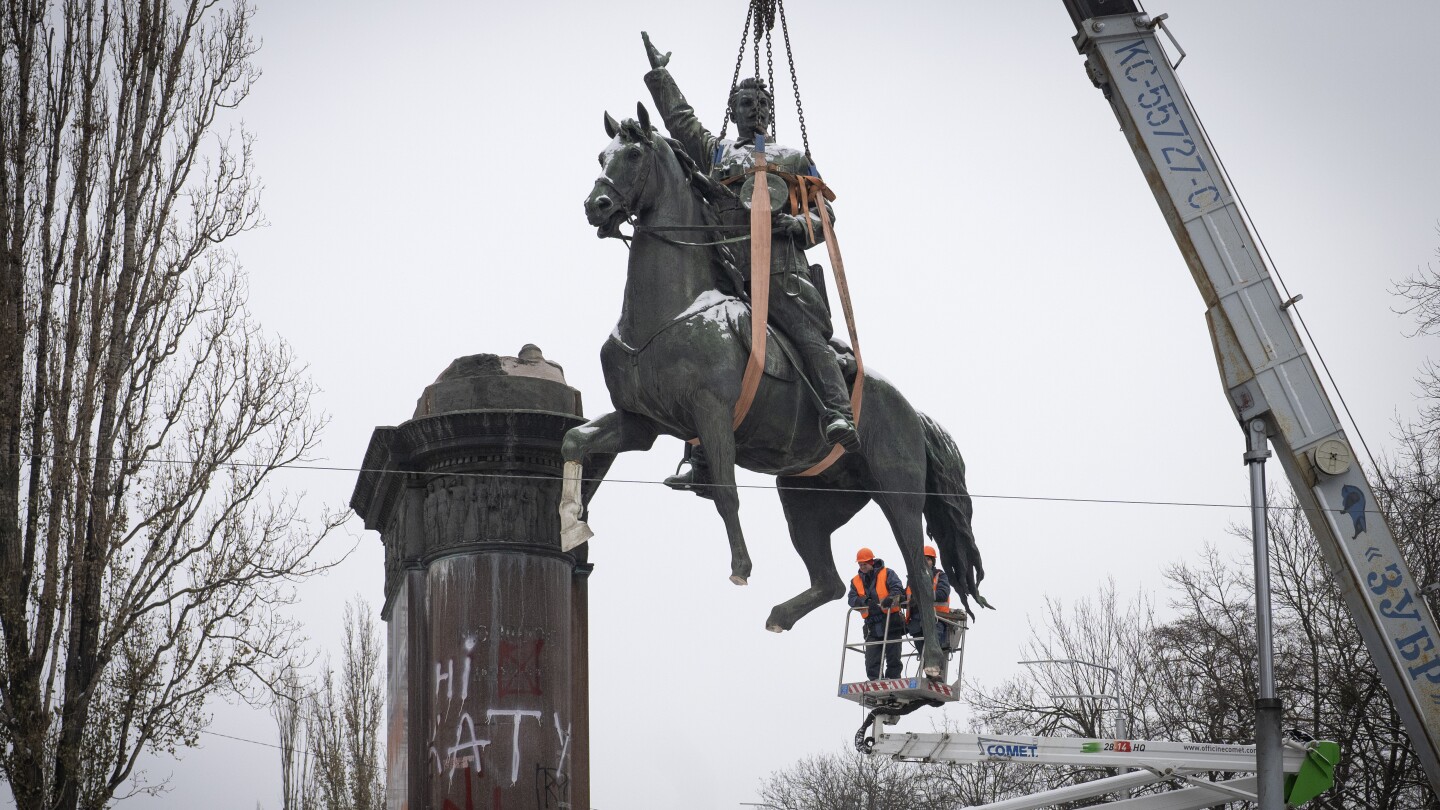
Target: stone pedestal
[{"x": 485, "y": 614}]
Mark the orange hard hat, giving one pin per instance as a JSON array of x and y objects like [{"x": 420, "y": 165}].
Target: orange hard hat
[
  {"x": 930, "y": 551},
  {"x": 864, "y": 555}
]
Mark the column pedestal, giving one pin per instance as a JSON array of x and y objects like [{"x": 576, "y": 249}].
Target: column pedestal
[{"x": 484, "y": 612}]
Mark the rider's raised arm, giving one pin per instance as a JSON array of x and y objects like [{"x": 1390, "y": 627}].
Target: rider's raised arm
[{"x": 680, "y": 118}]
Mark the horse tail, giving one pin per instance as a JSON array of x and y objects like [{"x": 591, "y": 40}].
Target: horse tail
[{"x": 948, "y": 510}]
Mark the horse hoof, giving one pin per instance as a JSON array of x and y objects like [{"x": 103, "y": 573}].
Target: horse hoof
[
  {"x": 774, "y": 628},
  {"x": 739, "y": 580},
  {"x": 574, "y": 535},
  {"x": 933, "y": 673}
]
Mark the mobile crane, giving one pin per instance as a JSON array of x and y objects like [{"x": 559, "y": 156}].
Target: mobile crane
[{"x": 1279, "y": 400}]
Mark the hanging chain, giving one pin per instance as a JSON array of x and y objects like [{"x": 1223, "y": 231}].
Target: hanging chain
[
  {"x": 759, "y": 9},
  {"x": 795, "y": 83},
  {"x": 770, "y": 75},
  {"x": 739, "y": 60},
  {"x": 760, "y": 19}
]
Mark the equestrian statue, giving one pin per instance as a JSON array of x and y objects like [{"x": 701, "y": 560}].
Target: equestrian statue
[{"x": 675, "y": 361}]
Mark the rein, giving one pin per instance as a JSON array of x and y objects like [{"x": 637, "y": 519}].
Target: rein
[
  {"x": 655, "y": 230},
  {"x": 627, "y": 207}
]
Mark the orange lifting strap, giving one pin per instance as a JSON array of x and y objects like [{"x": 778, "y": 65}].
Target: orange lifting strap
[
  {"x": 802, "y": 187},
  {"x": 759, "y": 289}
]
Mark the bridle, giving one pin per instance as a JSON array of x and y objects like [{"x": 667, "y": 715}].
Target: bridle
[{"x": 627, "y": 202}]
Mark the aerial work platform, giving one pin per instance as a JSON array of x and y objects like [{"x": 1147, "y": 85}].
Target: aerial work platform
[
  {"x": 912, "y": 687},
  {"x": 1308, "y": 765}
]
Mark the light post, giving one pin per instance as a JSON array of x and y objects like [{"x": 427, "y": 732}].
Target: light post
[
  {"x": 1081, "y": 661},
  {"x": 1122, "y": 722},
  {"x": 1269, "y": 774}
]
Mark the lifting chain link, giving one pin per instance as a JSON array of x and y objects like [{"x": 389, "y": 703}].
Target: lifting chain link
[
  {"x": 759, "y": 15},
  {"x": 770, "y": 77},
  {"x": 739, "y": 60},
  {"x": 795, "y": 83},
  {"x": 760, "y": 20}
]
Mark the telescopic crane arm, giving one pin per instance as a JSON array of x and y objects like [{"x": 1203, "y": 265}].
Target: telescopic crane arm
[{"x": 1263, "y": 365}]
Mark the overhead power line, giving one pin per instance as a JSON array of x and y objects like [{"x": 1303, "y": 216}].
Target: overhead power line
[
  {"x": 650, "y": 482},
  {"x": 266, "y": 744}
]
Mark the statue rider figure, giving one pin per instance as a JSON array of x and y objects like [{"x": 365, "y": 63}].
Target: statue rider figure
[{"x": 796, "y": 306}]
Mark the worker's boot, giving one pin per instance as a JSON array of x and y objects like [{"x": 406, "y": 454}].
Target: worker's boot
[{"x": 698, "y": 474}]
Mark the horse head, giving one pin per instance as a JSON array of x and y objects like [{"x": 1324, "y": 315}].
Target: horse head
[{"x": 623, "y": 190}]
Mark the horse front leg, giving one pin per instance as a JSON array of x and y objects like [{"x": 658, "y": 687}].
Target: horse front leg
[
  {"x": 613, "y": 433},
  {"x": 718, "y": 439}
]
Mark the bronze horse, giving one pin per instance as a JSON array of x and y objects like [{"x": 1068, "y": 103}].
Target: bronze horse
[{"x": 673, "y": 365}]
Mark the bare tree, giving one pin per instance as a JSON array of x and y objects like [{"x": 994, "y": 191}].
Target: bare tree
[
  {"x": 1193, "y": 677},
  {"x": 295, "y": 762},
  {"x": 343, "y": 721},
  {"x": 1202, "y": 672},
  {"x": 1089, "y": 654},
  {"x": 1324, "y": 674},
  {"x": 1421, "y": 293},
  {"x": 143, "y": 558},
  {"x": 1091, "y": 670},
  {"x": 850, "y": 781}
]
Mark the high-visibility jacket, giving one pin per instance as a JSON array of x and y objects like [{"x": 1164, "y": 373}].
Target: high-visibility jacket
[
  {"x": 941, "y": 605},
  {"x": 882, "y": 591}
]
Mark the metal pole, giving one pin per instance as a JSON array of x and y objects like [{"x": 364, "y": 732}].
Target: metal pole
[
  {"x": 1122, "y": 732},
  {"x": 1268, "y": 754}
]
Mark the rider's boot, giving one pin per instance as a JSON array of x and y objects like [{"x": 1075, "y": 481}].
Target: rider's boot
[
  {"x": 698, "y": 474},
  {"x": 837, "y": 424},
  {"x": 839, "y": 429}
]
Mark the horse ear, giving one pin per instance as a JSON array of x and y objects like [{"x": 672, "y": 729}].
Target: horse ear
[
  {"x": 644, "y": 116},
  {"x": 612, "y": 127}
]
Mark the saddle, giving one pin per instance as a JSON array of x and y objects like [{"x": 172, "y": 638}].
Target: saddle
[{"x": 782, "y": 361}]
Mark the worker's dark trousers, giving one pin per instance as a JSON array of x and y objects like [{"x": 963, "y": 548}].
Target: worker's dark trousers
[{"x": 878, "y": 631}]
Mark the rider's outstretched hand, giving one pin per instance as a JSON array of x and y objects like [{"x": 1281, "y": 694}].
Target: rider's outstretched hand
[{"x": 657, "y": 60}]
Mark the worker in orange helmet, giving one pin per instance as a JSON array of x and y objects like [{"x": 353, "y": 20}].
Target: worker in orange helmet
[
  {"x": 878, "y": 594},
  {"x": 940, "y": 589}
]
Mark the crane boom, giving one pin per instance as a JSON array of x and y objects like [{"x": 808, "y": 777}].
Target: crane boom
[{"x": 1263, "y": 364}]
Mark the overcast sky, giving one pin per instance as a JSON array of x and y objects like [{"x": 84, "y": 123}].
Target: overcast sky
[{"x": 425, "y": 165}]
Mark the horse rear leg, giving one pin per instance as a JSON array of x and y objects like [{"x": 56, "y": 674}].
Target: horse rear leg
[
  {"x": 602, "y": 437},
  {"x": 813, "y": 515},
  {"x": 718, "y": 438},
  {"x": 903, "y": 502}
]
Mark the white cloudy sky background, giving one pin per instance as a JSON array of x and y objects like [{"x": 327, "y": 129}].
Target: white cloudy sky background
[{"x": 425, "y": 165}]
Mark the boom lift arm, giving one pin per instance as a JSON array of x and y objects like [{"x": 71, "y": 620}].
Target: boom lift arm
[
  {"x": 1263, "y": 365},
  {"x": 1311, "y": 764}
]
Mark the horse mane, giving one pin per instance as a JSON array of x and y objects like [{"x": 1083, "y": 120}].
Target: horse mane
[
  {"x": 726, "y": 272},
  {"x": 710, "y": 193},
  {"x": 703, "y": 184}
]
